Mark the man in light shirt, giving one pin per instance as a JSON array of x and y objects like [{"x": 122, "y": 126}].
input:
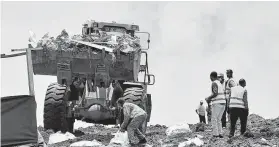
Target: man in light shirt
[
  {"x": 209, "y": 112},
  {"x": 217, "y": 98},
  {"x": 134, "y": 117},
  {"x": 201, "y": 112}
]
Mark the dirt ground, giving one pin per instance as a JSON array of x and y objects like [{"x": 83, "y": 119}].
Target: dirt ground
[{"x": 261, "y": 132}]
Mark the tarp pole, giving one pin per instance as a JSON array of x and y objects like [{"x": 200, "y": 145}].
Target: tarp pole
[{"x": 30, "y": 71}]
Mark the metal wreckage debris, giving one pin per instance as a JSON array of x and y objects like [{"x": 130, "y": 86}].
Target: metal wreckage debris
[{"x": 113, "y": 41}]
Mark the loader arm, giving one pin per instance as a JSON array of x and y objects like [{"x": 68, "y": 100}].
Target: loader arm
[{"x": 29, "y": 65}]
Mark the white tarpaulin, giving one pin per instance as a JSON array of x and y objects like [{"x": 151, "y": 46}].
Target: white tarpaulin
[
  {"x": 82, "y": 124},
  {"x": 178, "y": 129},
  {"x": 59, "y": 137},
  {"x": 93, "y": 143},
  {"x": 120, "y": 140}
]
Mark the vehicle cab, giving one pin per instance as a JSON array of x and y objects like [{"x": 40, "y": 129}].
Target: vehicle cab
[{"x": 92, "y": 27}]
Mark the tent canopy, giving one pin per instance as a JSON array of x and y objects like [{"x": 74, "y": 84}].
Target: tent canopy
[{"x": 18, "y": 122}]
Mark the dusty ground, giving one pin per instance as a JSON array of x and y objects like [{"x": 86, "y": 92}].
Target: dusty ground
[{"x": 259, "y": 128}]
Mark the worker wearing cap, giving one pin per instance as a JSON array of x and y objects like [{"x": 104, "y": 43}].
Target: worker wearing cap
[
  {"x": 238, "y": 107},
  {"x": 217, "y": 98},
  {"x": 229, "y": 84},
  {"x": 222, "y": 81},
  {"x": 201, "y": 112}
]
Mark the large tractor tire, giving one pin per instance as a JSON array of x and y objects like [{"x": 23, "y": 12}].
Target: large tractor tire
[{"x": 55, "y": 108}]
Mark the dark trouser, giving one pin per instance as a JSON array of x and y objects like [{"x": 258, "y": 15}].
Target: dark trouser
[
  {"x": 202, "y": 119},
  {"x": 70, "y": 123},
  {"x": 236, "y": 113},
  {"x": 224, "y": 117}
]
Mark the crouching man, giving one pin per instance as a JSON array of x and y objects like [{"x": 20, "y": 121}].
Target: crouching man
[{"x": 134, "y": 117}]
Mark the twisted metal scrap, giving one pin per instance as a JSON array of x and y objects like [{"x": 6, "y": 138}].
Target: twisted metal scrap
[{"x": 63, "y": 41}]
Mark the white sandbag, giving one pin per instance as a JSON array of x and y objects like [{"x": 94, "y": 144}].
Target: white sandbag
[
  {"x": 196, "y": 141},
  {"x": 59, "y": 137},
  {"x": 93, "y": 143},
  {"x": 178, "y": 129},
  {"x": 199, "y": 136},
  {"x": 120, "y": 139},
  {"x": 81, "y": 124}
]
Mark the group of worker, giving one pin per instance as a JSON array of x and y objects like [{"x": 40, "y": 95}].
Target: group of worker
[{"x": 228, "y": 97}]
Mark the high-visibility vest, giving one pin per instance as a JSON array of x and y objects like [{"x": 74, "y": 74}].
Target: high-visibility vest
[
  {"x": 220, "y": 98},
  {"x": 236, "y": 99},
  {"x": 227, "y": 87}
]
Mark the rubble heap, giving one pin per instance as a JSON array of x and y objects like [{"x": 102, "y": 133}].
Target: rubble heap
[
  {"x": 261, "y": 133},
  {"x": 123, "y": 42}
]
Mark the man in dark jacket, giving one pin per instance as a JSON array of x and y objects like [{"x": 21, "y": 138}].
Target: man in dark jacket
[{"x": 117, "y": 93}]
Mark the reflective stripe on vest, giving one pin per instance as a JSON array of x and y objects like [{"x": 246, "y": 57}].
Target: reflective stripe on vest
[
  {"x": 236, "y": 99},
  {"x": 220, "y": 98}
]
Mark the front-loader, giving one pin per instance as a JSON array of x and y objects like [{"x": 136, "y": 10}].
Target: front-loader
[{"x": 91, "y": 66}]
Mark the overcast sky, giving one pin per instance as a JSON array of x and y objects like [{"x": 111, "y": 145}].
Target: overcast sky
[{"x": 188, "y": 41}]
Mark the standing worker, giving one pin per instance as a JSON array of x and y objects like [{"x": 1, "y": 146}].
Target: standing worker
[
  {"x": 229, "y": 84},
  {"x": 218, "y": 104},
  {"x": 201, "y": 112},
  {"x": 116, "y": 94},
  {"x": 72, "y": 101},
  {"x": 222, "y": 81},
  {"x": 238, "y": 107},
  {"x": 134, "y": 117}
]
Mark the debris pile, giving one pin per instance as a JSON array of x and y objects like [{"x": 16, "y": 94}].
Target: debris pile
[
  {"x": 59, "y": 137},
  {"x": 115, "y": 41},
  {"x": 200, "y": 127},
  {"x": 262, "y": 132},
  {"x": 178, "y": 129}
]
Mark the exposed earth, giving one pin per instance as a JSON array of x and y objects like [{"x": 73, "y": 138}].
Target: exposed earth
[{"x": 261, "y": 132}]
